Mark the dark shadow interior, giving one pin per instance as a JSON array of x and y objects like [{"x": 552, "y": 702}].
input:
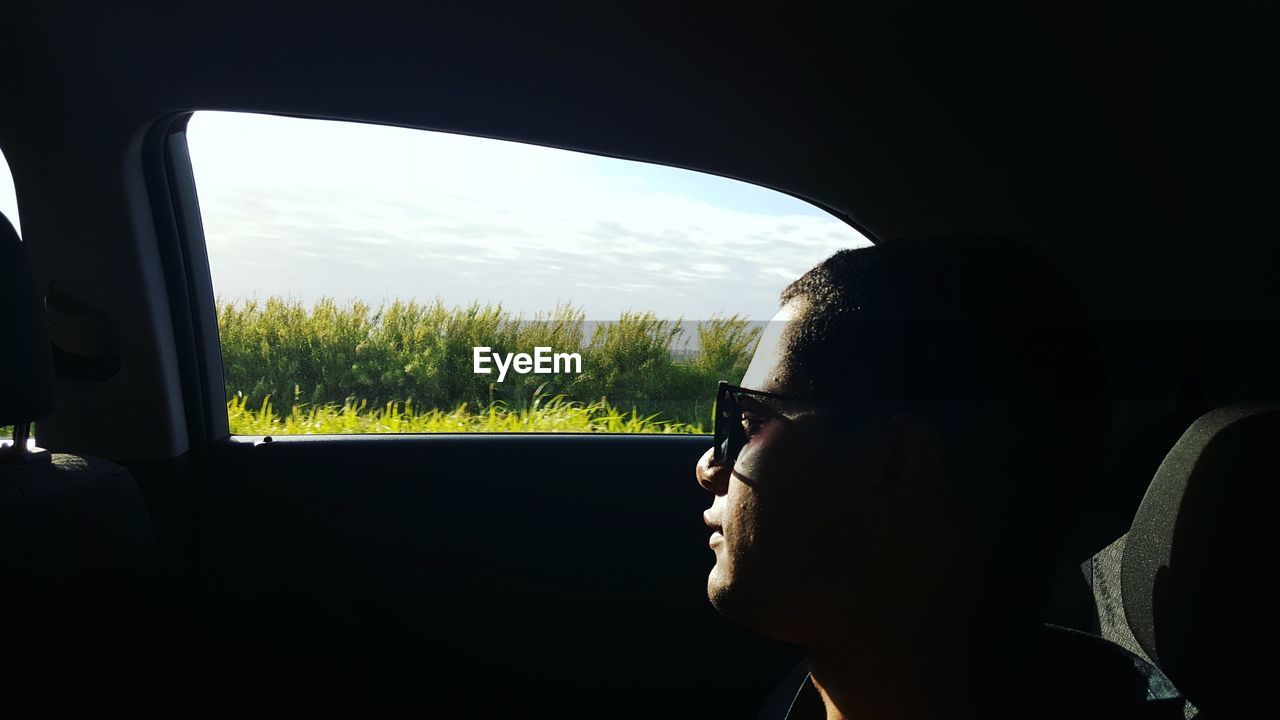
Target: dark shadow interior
[{"x": 517, "y": 576}]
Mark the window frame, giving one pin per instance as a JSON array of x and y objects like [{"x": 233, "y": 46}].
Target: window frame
[{"x": 189, "y": 281}]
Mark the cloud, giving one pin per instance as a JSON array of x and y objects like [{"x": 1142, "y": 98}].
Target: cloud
[{"x": 415, "y": 214}]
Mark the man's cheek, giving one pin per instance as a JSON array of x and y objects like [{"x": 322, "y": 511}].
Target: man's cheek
[{"x": 772, "y": 464}]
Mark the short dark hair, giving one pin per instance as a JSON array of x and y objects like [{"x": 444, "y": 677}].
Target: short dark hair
[{"x": 984, "y": 337}]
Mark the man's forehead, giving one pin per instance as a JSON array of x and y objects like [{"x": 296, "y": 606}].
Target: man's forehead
[{"x": 770, "y": 369}]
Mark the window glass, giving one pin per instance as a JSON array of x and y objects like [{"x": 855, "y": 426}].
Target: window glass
[
  {"x": 8, "y": 196},
  {"x": 381, "y": 279},
  {"x": 9, "y": 207}
]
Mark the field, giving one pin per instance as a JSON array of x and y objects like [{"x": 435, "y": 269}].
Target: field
[{"x": 406, "y": 366}]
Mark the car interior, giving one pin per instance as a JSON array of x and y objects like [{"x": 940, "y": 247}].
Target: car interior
[{"x": 157, "y": 563}]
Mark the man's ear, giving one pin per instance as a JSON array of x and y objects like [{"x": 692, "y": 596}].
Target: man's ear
[{"x": 912, "y": 464}]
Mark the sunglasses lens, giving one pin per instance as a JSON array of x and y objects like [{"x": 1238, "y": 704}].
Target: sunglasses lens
[
  {"x": 722, "y": 450},
  {"x": 728, "y": 428}
]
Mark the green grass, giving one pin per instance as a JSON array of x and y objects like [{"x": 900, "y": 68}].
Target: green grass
[
  {"x": 554, "y": 415},
  {"x": 407, "y": 364}
]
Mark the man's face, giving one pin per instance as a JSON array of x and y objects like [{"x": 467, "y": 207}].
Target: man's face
[{"x": 790, "y": 517}]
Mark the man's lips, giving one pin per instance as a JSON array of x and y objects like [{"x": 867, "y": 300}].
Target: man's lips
[
  {"x": 709, "y": 522},
  {"x": 717, "y": 534}
]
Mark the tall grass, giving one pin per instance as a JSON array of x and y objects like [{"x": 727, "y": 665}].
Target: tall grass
[
  {"x": 330, "y": 360},
  {"x": 556, "y": 414}
]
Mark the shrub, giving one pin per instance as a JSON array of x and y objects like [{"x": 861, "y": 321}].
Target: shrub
[{"x": 280, "y": 353}]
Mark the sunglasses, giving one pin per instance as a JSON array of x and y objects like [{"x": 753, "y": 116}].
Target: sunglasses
[{"x": 730, "y": 424}]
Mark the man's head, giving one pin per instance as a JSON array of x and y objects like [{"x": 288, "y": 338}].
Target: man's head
[{"x": 957, "y": 400}]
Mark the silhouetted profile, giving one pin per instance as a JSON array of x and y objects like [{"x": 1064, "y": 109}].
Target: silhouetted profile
[{"x": 895, "y": 476}]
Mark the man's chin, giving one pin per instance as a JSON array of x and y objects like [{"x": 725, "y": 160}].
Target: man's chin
[
  {"x": 751, "y": 609},
  {"x": 720, "y": 591},
  {"x": 730, "y": 599}
]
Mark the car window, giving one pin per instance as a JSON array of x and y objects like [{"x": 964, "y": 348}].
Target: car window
[
  {"x": 8, "y": 195},
  {"x": 381, "y": 279},
  {"x": 8, "y": 206}
]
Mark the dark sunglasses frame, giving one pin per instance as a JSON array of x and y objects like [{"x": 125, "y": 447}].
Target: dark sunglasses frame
[{"x": 729, "y": 435}]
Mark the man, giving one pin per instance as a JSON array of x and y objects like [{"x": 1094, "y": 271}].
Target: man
[{"x": 894, "y": 478}]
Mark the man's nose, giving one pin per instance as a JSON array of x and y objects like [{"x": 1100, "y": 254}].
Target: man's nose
[{"x": 712, "y": 479}]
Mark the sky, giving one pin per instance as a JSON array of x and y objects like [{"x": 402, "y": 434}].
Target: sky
[{"x": 310, "y": 208}]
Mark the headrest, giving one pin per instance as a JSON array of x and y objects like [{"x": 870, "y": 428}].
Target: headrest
[
  {"x": 1196, "y": 574},
  {"x": 26, "y": 361}
]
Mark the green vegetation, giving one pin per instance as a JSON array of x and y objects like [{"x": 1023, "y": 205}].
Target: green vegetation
[
  {"x": 554, "y": 415},
  {"x": 407, "y": 367}
]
